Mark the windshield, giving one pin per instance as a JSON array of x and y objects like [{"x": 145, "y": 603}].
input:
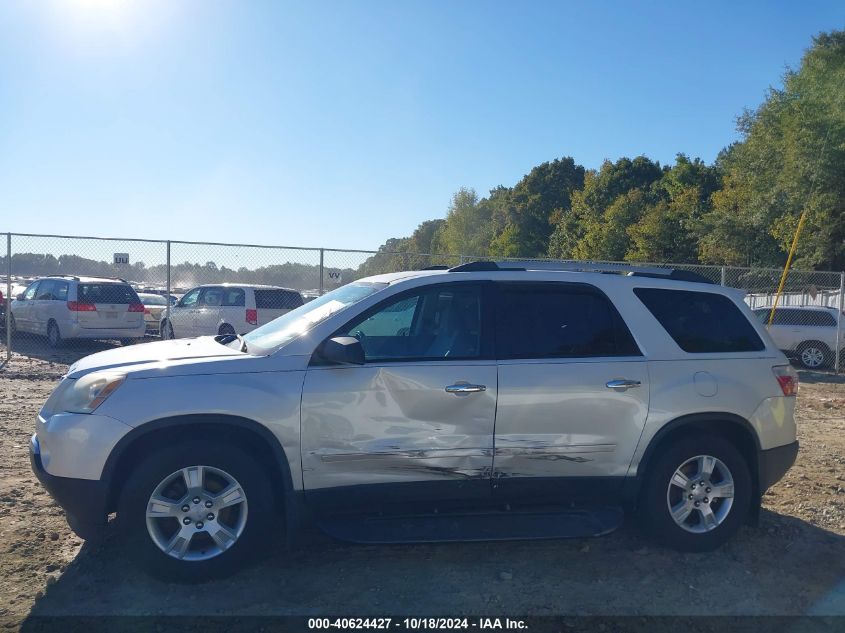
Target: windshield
[{"x": 268, "y": 338}]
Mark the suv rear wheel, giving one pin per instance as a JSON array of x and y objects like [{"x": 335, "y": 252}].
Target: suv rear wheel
[
  {"x": 813, "y": 354},
  {"x": 696, "y": 494},
  {"x": 196, "y": 511}
]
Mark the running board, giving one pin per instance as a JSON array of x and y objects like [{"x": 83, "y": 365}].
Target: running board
[{"x": 482, "y": 526}]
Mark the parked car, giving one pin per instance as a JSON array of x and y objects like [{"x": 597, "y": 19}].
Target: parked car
[
  {"x": 489, "y": 401},
  {"x": 807, "y": 333},
  {"x": 154, "y": 310},
  {"x": 68, "y": 307},
  {"x": 227, "y": 309}
]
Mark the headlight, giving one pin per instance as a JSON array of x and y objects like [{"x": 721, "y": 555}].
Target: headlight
[{"x": 89, "y": 392}]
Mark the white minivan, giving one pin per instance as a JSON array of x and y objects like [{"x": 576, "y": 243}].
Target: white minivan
[
  {"x": 227, "y": 309},
  {"x": 70, "y": 307}
]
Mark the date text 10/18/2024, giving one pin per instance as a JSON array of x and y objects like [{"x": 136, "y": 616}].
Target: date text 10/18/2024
[{"x": 418, "y": 624}]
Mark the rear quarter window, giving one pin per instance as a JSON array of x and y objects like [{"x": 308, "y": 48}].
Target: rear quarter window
[
  {"x": 277, "y": 299},
  {"x": 107, "y": 293},
  {"x": 701, "y": 322}
]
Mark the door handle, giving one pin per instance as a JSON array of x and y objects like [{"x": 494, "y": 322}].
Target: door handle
[
  {"x": 465, "y": 388},
  {"x": 622, "y": 385}
]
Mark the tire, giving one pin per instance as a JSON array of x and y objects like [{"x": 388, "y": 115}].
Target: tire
[
  {"x": 166, "y": 331},
  {"x": 814, "y": 355},
  {"x": 729, "y": 513},
  {"x": 54, "y": 336},
  {"x": 226, "y": 329},
  {"x": 251, "y": 520}
]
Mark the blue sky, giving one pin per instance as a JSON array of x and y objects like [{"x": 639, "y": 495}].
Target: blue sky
[{"x": 341, "y": 124}]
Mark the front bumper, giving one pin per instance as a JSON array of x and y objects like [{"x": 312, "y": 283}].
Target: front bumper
[
  {"x": 85, "y": 501},
  {"x": 773, "y": 463}
]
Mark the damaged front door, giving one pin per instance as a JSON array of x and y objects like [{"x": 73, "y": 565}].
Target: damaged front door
[{"x": 414, "y": 424}]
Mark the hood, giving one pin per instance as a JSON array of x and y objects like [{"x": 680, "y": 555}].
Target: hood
[{"x": 133, "y": 356}]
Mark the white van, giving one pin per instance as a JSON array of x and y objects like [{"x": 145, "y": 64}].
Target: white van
[
  {"x": 227, "y": 309},
  {"x": 70, "y": 307}
]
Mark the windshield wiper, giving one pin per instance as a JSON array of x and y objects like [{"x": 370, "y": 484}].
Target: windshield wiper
[{"x": 225, "y": 339}]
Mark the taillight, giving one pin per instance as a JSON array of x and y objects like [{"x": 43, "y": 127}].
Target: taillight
[
  {"x": 76, "y": 306},
  {"x": 787, "y": 378},
  {"x": 252, "y": 316},
  {"x": 136, "y": 307}
]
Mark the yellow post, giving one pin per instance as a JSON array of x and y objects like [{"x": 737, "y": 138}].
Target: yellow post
[{"x": 788, "y": 263}]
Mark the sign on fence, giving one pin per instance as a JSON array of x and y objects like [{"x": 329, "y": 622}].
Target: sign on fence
[{"x": 121, "y": 258}]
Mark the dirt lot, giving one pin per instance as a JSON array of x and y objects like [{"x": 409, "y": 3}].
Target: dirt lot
[{"x": 793, "y": 564}]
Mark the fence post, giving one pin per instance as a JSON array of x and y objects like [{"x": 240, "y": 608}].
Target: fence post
[
  {"x": 838, "y": 351},
  {"x": 723, "y": 276},
  {"x": 322, "y": 270},
  {"x": 167, "y": 307},
  {"x": 8, "y": 298}
]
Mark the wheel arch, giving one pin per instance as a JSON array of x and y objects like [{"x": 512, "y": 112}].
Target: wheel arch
[
  {"x": 733, "y": 427},
  {"x": 249, "y": 435}
]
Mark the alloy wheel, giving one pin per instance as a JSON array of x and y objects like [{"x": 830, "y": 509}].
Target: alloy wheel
[
  {"x": 700, "y": 494},
  {"x": 812, "y": 357},
  {"x": 196, "y": 513}
]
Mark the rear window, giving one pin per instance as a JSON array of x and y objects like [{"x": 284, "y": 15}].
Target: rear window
[
  {"x": 153, "y": 300},
  {"x": 277, "y": 299},
  {"x": 701, "y": 322},
  {"x": 107, "y": 293},
  {"x": 559, "y": 321}
]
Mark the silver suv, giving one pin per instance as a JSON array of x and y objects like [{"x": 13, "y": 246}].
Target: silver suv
[{"x": 488, "y": 401}]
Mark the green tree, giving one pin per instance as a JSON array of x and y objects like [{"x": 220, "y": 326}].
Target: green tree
[
  {"x": 524, "y": 218},
  {"x": 792, "y": 159}
]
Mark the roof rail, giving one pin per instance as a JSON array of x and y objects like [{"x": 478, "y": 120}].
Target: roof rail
[
  {"x": 585, "y": 266},
  {"x": 63, "y": 276}
]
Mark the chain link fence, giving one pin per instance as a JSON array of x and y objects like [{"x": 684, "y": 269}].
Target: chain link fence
[{"x": 807, "y": 324}]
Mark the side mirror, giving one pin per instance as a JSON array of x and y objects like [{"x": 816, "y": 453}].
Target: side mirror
[
  {"x": 341, "y": 350},
  {"x": 19, "y": 297}
]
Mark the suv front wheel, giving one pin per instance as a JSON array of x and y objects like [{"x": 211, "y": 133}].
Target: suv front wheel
[
  {"x": 697, "y": 494},
  {"x": 196, "y": 511}
]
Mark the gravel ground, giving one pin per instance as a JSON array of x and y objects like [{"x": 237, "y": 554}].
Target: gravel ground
[{"x": 793, "y": 564}]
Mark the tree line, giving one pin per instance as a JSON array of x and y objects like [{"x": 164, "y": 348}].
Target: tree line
[{"x": 741, "y": 210}]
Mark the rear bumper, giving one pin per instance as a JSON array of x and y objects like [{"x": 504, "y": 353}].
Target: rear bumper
[
  {"x": 84, "y": 501},
  {"x": 774, "y": 463},
  {"x": 74, "y": 330}
]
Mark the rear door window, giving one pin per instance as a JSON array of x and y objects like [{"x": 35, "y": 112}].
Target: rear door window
[
  {"x": 220, "y": 296},
  {"x": 273, "y": 299},
  {"x": 701, "y": 322},
  {"x": 60, "y": 291},
  {"x": 553, "y": 320},
  {"x": 107, "y": 293},
  {"x": 819, "y": 318}
]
